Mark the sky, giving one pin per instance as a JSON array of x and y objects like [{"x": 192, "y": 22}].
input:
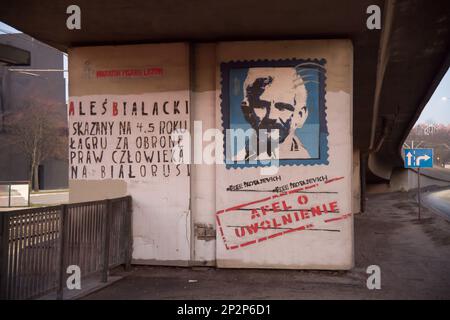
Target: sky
[
  {"x": 437, "y": 109},
  {"x": 4, "y": 28}
]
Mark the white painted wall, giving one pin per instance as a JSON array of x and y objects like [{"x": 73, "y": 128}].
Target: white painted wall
[
  {"x": 161, "y": 215},
  {"x": 307, "y": 249},
  {"x": 164, "y": 218}
]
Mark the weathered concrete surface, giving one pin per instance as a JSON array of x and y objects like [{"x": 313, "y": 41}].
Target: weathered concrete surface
[{"x": 413, "y": 256}]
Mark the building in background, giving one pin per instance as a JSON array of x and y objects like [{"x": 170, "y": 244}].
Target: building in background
[{"x": 21, "y": 88}]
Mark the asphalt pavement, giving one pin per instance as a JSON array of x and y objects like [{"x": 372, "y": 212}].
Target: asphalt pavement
[
  {"x": 413, "y": 256},
  {"x": 438, "y": 201}
]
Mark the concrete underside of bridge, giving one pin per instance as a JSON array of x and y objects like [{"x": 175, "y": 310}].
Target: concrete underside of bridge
[{"x": 396, "y": 69}]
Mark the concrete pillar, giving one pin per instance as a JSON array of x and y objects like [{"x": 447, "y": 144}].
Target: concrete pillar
[{"x": 203, "y": 176}]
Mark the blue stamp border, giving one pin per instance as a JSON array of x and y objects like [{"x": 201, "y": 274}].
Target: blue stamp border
[{"x": 225, "y": 68}]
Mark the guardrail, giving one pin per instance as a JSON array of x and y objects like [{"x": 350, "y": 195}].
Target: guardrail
[
  {"x": 424, "y": 174},
  {"x": 37, "y": 245},
  {"x": 14, "y": 194}
]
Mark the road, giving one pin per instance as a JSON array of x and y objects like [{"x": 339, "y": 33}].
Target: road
[
  {"x": 437, "y": 173},
  {"x": 439, "y": 201}
]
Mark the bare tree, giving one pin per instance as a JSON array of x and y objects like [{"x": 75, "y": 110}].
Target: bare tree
[
  {"x": 432, "y": 135},
  {"x": 38, "y": 133}
]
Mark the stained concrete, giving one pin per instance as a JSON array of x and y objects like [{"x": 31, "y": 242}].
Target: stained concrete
[{"x": 413, "y": 256}]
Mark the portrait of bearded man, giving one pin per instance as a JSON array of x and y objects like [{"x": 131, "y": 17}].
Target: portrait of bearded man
[{"x": 275, "y": 100}]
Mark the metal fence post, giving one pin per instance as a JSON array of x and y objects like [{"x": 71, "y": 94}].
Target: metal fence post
[
  {"x": 29, "y": 193},
  {"x": 129, "y": 235},
  {"x": 106, "y": 240},
  {"x": 418, "y": 188},
  {"x": 4, "y": 254},
  {"x": 9, "y": 195},
  {"x": 62, "y": 252}
]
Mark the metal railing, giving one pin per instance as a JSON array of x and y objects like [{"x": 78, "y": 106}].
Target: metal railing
[{"x": 37, "y": 245}]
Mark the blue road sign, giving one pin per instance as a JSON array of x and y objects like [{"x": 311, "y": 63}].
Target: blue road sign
[{"x": 418, "y": 158}]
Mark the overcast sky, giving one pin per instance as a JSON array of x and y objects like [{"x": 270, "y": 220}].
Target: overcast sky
[
  {"x": 4, "y": 28},
  {"x": 438, "y": 108}
]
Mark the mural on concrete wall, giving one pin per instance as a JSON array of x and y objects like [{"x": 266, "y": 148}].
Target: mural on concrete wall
[
  {"x": 299, "y": 215},
  {"x": 131, "y": 138},
  {"x": 308, "y": 204},
  {"x": 126, "y": 106},
  {"x": 275, "y": 99},
  {"x": 128, "y": 137}
]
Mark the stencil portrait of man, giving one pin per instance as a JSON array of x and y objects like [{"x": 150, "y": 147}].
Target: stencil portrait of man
[
  {"x": 283, "y": 104},
  {"x": 275, "y": 99}
]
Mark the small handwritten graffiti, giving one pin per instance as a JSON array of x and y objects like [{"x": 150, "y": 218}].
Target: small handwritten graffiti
[
  {"x": 248, "y": 184},
  {"x": 280, "y": 214},
  {"x": 129, "y": 73}
]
